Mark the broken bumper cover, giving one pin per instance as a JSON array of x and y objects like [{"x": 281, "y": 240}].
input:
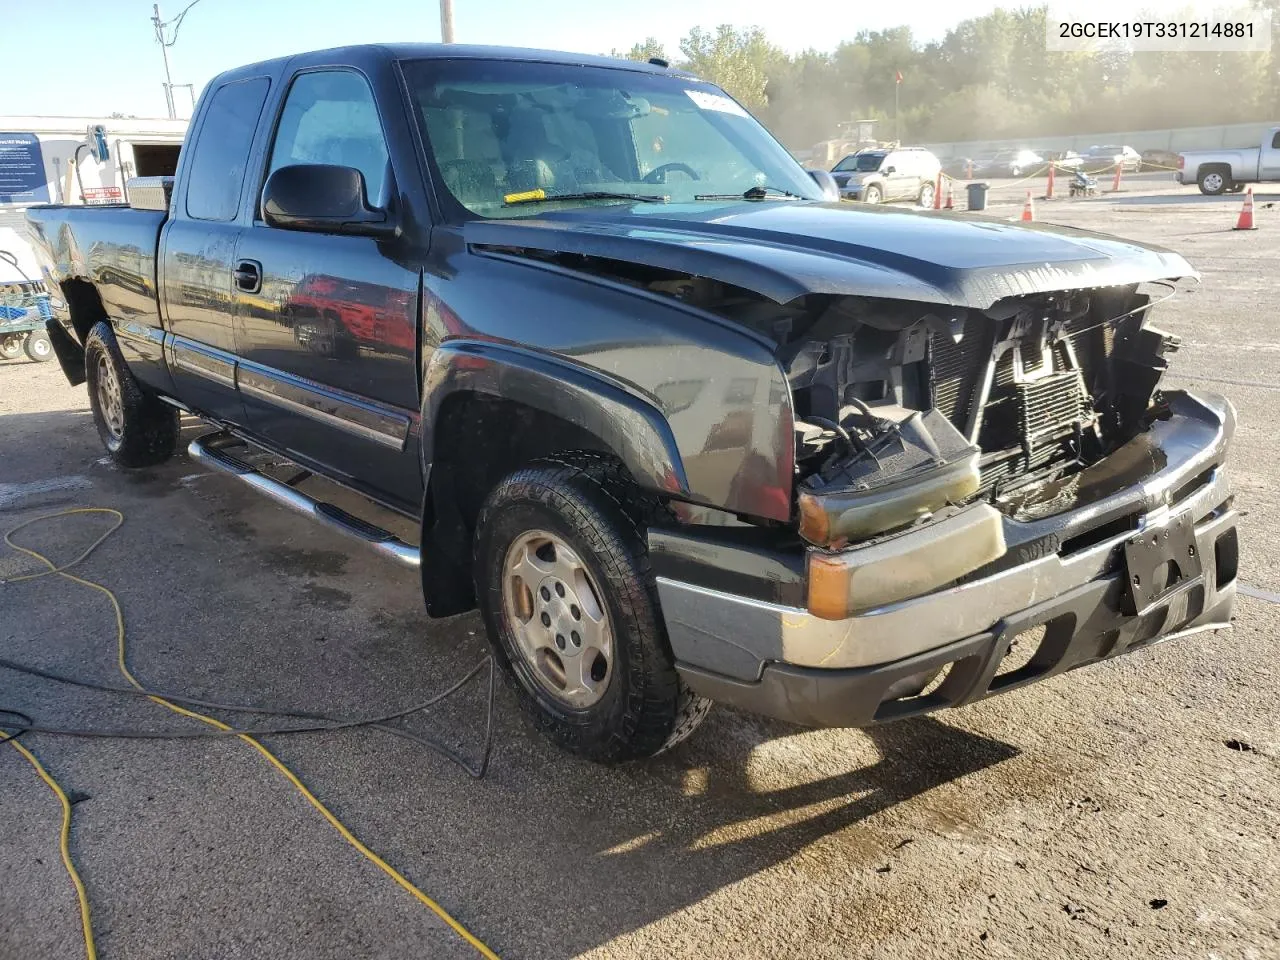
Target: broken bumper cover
[{"x": 1063, "y": 584}]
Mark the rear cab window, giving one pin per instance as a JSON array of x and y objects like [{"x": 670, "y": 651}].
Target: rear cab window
[{"x": 221, "y": 154}]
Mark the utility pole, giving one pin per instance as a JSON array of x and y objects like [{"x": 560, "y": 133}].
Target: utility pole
[
  {"x": 446, "y": 21},
  {"x": 164, "y": 52},
  {"x": 165, "y": 44}
]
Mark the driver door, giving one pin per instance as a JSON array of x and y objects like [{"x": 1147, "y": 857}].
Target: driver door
[{"x": 328, "y": 333}]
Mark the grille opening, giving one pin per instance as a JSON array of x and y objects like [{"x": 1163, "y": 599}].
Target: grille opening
[
  {"x": 1226, "y": 557},
  {"x": 1099, "y": 534},
  {"x": 1034, "y": 651},
  {"x": 1192, "y": 485},
  {"x": 900, "y": 701}
]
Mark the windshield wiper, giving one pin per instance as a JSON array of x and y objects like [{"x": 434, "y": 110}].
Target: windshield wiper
[
  {"x": 541, "y": 196},
  {"x": 751, "y": 193}
]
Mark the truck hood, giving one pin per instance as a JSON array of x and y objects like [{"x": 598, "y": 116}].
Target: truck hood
[{"x": 786, "y": 249}]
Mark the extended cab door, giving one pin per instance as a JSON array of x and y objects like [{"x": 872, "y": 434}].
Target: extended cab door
[
  {"x": 328, "y": 333},
  {"x": 197, "y": 249},
  {"x": 1269, "y": 157}
]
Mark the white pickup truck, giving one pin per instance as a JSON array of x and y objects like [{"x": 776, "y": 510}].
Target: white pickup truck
[{"x": 1220, "y": 171}]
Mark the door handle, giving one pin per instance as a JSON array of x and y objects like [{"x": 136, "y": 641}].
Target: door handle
[{"x": 248, "y": 275}]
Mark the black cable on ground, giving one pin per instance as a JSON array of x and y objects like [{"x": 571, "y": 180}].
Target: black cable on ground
[{"x": 220, "y": 729}]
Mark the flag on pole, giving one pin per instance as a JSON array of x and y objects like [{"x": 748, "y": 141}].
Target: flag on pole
[{"x": 899, "y": 75}]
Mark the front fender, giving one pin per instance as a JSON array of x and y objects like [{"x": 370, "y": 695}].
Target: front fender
[{"x": 628, "y": 425}]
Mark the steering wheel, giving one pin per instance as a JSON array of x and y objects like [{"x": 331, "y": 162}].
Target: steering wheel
[{"x": 659, "y": 174}]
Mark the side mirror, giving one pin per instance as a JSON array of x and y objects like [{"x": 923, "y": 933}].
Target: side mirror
[
  {"x": 323, "y": 198},
  {"x": 830, "y": 189},
  {"x": 888, "y": 170}
]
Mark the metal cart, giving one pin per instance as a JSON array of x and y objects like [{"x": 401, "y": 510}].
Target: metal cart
[{"x": 24, "y": 309}]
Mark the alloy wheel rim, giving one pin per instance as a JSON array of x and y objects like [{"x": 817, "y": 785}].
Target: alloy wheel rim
[
  {"x": 1213, "y": 181},
  {"x": 557, "y": 616},
  {"x": 109, "y": 399}
]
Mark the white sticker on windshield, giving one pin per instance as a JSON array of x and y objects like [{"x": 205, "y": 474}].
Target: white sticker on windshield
[{"x": 716, "y": 101}]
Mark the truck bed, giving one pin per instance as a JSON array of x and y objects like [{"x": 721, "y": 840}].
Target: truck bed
[{"x": 112, "y": 247}]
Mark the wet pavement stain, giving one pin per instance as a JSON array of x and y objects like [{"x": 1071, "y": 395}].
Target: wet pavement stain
[
  {"x": 307, "y": 563},
  {"x": 329, "y": 597}
]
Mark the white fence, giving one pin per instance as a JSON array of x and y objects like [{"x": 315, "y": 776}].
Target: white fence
[{"x": 1186, "y": 138}]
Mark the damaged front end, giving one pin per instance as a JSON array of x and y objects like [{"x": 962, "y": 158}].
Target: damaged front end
[{"x": 907, "y": 413}]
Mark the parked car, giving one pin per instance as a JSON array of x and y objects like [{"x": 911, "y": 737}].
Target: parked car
[
  {"x": 962, "y": 168},
  {"x": 1106, "y": 157},
  {"x": 875, "y": 176},
  {"x": 1012, "y": 163},
  {"x": 1066, "y": 159},
  {"x": 682, "y": 430},
  {"x": 1217, "y": 171}
]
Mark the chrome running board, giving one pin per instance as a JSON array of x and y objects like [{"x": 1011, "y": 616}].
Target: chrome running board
[{"x": 210, "y": 451}]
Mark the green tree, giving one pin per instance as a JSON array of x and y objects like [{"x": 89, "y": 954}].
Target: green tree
[{"x": 738, "y": 60}]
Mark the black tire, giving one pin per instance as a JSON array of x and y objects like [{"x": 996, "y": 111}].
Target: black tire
[
  {"x": 872, "y": 194},
  {"x": 10, "y": 347},
  {"x": 1213, "y": 181},
  {"x": 926, "y": 195},
  {"x": 587, "y": 502},
  {"x": 144, "y": 430},
  {"x": 38, "y": 347}
]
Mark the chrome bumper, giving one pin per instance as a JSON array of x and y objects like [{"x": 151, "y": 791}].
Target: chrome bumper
[{"x": 736, "y": 636}]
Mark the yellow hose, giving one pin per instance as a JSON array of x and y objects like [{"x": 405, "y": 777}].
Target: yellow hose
[{"x": 123, "y": 666}]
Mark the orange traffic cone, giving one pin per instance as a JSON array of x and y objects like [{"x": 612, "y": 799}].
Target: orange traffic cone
[
  {"x": 1246, "y": 213},
  {"x": 1115, "y": 184},
  {"x": 1048, "y": 190},
  {"x": 1028, "y": 210},
  {"x": 951, "y": 195},
  {"x": 937, "y": 193}
]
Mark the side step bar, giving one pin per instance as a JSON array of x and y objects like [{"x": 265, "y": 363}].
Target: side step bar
[{"x": 210, "y": 450}]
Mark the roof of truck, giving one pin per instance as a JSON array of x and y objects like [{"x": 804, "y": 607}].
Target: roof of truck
[{"x": 457, "y": 51}]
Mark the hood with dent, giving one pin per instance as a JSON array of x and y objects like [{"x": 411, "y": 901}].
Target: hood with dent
[{"x": 786, "y": 249}]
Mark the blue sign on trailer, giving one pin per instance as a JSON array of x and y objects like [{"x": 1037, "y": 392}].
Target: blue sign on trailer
[{"x": 22, "y": 176}]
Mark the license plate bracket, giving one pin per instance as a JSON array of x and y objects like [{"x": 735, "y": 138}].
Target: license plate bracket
[{"x": 1161, "y": 562}]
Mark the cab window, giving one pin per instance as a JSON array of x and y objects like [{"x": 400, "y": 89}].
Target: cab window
[{"x": 221, "y": 157}]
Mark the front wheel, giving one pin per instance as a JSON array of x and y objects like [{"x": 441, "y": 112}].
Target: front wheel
[
  {"x": 871, "y": 195},
  {"x": 570, "y": 605},
  {"x": 38, "y": 347},
  {"x": 926, "y": 195},
  {"x": 137, "y": 428}
]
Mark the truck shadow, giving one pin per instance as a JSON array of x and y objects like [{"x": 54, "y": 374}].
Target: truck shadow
[{"x": 636, "y": 853}]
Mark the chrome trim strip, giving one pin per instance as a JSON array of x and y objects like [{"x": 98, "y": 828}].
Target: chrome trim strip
[
  {"x": 359, "y": 417},
  {"x": 391, "y": 548},
  {"x": 207, "y": 362}
]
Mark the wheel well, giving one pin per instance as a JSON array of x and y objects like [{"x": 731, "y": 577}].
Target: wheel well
[
  {"x": 479, "y": 440},
  {"x": 84, "y": 306},
  {"x": 1206, "y": 168}
]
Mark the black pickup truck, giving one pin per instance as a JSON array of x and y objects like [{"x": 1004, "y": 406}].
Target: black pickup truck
[{"x": 681, "y": 428}]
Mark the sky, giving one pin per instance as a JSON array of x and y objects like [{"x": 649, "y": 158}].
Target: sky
[{"x": 98, "y": 57}]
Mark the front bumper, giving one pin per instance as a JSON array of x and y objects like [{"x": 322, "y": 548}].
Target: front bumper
[{"x": 1066, "y": 572}]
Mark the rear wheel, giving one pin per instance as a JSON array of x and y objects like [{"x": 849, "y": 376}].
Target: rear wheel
[
  {"x": 871, "y": 194},
  {"x": 38, "y": 347},
  {"x": 10, "y": 347},
  {"x": 1212, "y": 183},
  {"x": 563, "y": 581},
  {"x": 137, "y": 428}
]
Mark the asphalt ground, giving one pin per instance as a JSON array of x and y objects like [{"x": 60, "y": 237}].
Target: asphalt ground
[{"x": 1129, "y": 809}]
